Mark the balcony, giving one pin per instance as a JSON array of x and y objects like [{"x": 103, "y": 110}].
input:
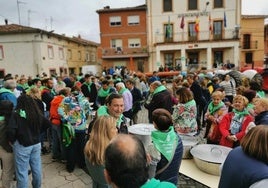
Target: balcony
[
  {"x": 113, "y": 53},
  {"x": 249, "y": 45},
  {"x": 202, "y": 36}
]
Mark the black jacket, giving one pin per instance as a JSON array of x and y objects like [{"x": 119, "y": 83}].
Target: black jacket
[
  {"x": 162, "y": 99},
  {"x": 19, "y": 129},
  {"x": 137, "y": 98}
]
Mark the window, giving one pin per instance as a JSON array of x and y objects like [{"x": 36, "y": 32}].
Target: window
[
  {"x": 50, "y": 51},
  {"x": 69, "y": 54},
  {"x": 168, "y": 58},
  {"x": 218, "y": 58},
  {"x": 115, "y": 43},
  {"x": 134, "y": 43},
  {"x": 61, "y": 54},
  {"x": 249, "y": 57},
  {"x": 167, "y": 5},
  {"x": 168, "y": 28},
  {"x": 2, "y": 74},
  {"x": 193, "y": 58},
  {"x": 217, "y": 30},
  {"x": 133, "y": 20},
  {"x": 192, "y": 35},
  {"x": 218, "y": 3},
  {"x": 115, "y": 21},
  {"x": 71, "y": 70},
  {"x": 93, "y": 57},
  {"x": 79, "y": 55},
  {"x": 87, "y": 56},
  {"x": 1, "y": 52},
  {"x": 246, "y": 41},
  {"x": 192, "y": 4}
]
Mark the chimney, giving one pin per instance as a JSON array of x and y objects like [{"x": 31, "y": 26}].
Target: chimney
[
  {"x": 6, "y": 21},
  {"x": 107, "y": 7}
]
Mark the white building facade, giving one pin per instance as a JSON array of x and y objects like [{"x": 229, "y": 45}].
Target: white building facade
[
  {"x": 31, "y": 53},
  {"x": 193, "y": 34}
]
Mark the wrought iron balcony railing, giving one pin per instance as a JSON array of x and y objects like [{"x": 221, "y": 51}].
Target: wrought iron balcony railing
[
  {"x": 183, "y": 37},
  {"x": 249, "y": 45},
  {"x": 124, "y": 52}
]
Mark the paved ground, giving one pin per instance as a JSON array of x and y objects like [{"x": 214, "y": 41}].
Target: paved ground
[{"x": 55, "y": 175}]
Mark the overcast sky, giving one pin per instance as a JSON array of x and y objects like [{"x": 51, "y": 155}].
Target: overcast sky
[{"x": 74, "y": 17}]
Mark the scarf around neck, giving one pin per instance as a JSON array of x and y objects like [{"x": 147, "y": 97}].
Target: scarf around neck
[
  {"x": 212, "y": 108},
  {"x": 159, "y": 89},
  {"x": 241, "y": 113},
  {"x": 88, "y": 86},
  {"x": 165, "y": 142},
  {"x": 103, "y": 93},
  {"x": 122, "y": 90}
]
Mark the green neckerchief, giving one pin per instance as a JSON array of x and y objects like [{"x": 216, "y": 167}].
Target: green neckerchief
[
  {"x": 261, "y": 94},
  {"x": 103, "y": 93},
  {"x": 157, "y": 184},
  {"x": 212, "y": 108},
  {"x": 159, "y": 89},
  {"x": 122, "y": 90},
  {"x": 250, "y": 106},
  {"x": 165, "y": 142},
  {"x": 103, "y": 111},
  {"x": 4, "y": 90},
  {"x": 190, "y": 103},
  {"x": 22, "y": 113},
  {"x": 241, "y": 113},
  {"x": 2, "y": 118},
  {"x": 88, "y": 85},
  {"x": 118, "y": 80}
]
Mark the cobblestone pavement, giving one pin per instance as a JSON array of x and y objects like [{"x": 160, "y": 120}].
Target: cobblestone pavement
[{"x": 56, "y": 176}]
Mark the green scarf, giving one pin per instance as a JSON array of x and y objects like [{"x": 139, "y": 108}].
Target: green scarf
[
  {"x": 189, "y": 104},
  {"x": 122, "y": 90},
  {"x": 103, "y": 93},
  {"x": 103, "y": 111},
  {"x": 159, "y": 89},
  {"x": 240, "y": 114},
  {"x": 212, "y": 108},
  {"x": 88, "y": 86},
  {"x": 250, "y": 106},
  {"x": 4, "y": 90},
  {"x": 165, "y": 142},
  {"x": 261, "y": 94}
]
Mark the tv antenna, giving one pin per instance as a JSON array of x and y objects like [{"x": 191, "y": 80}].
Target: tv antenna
[{"x": 18, "y": 6}]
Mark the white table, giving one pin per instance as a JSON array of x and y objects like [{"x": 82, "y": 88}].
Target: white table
[{"x": 189, "y": 169}]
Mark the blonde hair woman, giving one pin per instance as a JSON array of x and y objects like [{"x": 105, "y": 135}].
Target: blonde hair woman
[
  {"x": 261, "y": 111},
  {"x": 104, "y": 129},
  {"x": 234, "y": 124}
]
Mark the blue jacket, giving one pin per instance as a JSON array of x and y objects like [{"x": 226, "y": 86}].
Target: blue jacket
[
  {"x": 6, "y": 94},
  {"x": 262, "y": 118},
  {"x": 240, "y": 171}
]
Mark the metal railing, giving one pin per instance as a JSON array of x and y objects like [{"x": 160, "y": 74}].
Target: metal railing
[
  {"x": 125, "y": 51},
  {"x": 249, "y": 45},
  {"x": 183, "y": 37}
]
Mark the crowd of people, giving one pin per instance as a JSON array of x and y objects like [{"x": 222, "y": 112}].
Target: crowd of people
[{"x": 83, "y": 121}]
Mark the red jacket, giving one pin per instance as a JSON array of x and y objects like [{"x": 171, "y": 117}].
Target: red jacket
[
  {"x": 225, "y": 126},
  {"x": 55, "y": 118}
]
